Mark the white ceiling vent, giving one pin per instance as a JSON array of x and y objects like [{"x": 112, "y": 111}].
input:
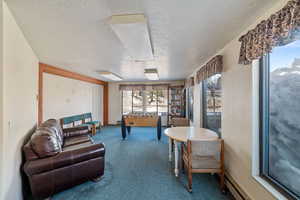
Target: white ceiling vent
[{"x": 132, "y": 30}]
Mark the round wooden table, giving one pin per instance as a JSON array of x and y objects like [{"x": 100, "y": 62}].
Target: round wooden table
[{"x": 183, "y": 134}]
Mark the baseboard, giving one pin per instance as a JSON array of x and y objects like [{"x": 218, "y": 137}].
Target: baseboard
[{"x": 236, "y": 191}]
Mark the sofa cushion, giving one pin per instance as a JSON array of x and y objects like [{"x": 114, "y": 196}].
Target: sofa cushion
[
  {"x": 77, "y": 146},
  {"x": 85, "y": 145},
  {"x": 76, "y": 140},
  {"x": 76, "y": 131},
  {"x": 45, "y": 142},
  {"x": 66, "y": 158}
]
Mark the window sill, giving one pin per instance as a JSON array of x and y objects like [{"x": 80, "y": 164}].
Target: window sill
[{"x": 269, "y": 188}]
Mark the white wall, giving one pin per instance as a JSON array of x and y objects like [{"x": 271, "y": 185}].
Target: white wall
[
  {"x": 1, "y": 99},
  {"x": 115, "y": 102},
  {"x": 115, "y": 98},
  {"x": 197, "y": 105},
  {"x": 65, "y": 97},
  {"x": 20, "y": 101},
  {"x": 237, "y": 114}
]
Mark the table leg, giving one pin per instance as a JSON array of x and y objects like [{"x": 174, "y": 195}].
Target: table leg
[
  {"x": 170, "y": 149},
  {"x": 123, "y": 128},
  {"x": 176, "y": 158},
  {"x": 159, "y": 128}
]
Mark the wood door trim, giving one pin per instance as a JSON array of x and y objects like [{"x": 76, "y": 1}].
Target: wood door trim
[
  {"x": 105, "y": 104},
  {"x": 40, "y": 95},
  {"x": 45, "y": 68},
  {"x": 68, "y": 74}
]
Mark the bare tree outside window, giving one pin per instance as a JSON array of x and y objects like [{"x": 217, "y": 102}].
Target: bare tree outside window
[
  {"x": 212, "y": 104},
  {"x": 146, "y": 101}
]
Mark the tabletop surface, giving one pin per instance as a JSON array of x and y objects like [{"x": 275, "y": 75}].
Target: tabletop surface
[{"x": 192, "y": 133}]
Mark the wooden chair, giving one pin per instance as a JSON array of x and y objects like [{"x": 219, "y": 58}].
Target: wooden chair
[
  {"x": 178, "y": 122},
  {"x": 203, "y": 157},
  {"x": 81, "y": 120},
  {"x": 87, "y": 119}
]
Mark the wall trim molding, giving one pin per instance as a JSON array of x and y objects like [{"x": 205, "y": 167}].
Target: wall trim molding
[
  {"x": 68, "y": 74},
  {"x": 45, "y": 68},
  {"x": 237, "y": 192}
]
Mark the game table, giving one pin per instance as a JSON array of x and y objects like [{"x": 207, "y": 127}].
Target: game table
[{"x": 130, "y": 120}]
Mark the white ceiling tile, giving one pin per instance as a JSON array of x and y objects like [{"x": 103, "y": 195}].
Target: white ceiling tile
[{"x": 75, "y": 34}]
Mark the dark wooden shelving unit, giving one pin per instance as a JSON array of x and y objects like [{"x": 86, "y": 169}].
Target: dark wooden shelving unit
[{"x": 177, "y": 102}]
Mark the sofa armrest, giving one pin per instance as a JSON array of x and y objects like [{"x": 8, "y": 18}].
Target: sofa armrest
[
  {"x": 64, "y": 158},
  {"x": 76, "y": 131}
]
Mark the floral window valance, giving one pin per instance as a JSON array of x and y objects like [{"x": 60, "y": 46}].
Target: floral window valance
[
  {"x": 281, "y": 28},
  {"x": 189, "y": 82},
  {"x": 214, "y": 66}
]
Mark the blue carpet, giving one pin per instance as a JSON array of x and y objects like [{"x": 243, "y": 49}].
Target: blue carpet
[{"x": 138, "y": 169}]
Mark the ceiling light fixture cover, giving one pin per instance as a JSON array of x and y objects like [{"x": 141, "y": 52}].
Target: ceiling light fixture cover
[
  {"x": 132, "y": 30},
  {"x": 110, "y": 76},
  {"x": 151, "y": 74}
]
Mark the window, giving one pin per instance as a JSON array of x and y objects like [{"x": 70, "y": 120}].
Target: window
[
  {"x": 137, "y": 101},
  {"x": 149, "y": 101},
  {"x": 162, "y": 101},
  {"x": 190, "y": 103},
  {"x": 127, "y": 101},
  {"x": 280, "y": 119},
  {"x": 211, "y": 91}
]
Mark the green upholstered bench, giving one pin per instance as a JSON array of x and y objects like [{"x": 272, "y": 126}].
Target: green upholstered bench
[
  {"x": 81, "y": 120},
  {"x": 88, "y": 119}
]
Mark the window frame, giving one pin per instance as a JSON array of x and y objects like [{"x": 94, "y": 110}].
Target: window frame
[
  {"x": 122, "y": 103},
  {"x": 204, "y": 106},
  {"x": 190, "y": 107},
  {"x": 144, "y": 106},
  {"x": 264, "y": 120}
]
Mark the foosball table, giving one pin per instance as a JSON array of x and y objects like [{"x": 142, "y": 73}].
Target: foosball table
[{"x": 133, "y": 120}]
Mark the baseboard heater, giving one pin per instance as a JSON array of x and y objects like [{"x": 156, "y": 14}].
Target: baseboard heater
[{"x": 235, "y": 189}]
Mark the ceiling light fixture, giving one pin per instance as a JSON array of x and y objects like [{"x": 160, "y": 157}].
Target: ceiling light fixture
[
  {"x": 151, "y": 74},
  {"x": 132, "y": 30},
  {"x": 110, "y": 76}
]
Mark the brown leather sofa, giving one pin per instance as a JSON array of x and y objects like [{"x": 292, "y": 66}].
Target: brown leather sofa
[{"x": 58, "y": 159}]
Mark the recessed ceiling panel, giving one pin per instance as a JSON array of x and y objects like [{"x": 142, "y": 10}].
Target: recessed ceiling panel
[{"x": 132, "y": 30}]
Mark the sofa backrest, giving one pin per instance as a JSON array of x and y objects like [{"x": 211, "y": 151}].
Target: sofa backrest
[
  {"x": 55, "y": 125},
  {"x": 47, "y": 140},
  {"x": 29, "y": 153}
]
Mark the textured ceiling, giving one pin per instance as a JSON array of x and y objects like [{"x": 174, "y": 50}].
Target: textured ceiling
[{"x": 75, "y": 34}]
